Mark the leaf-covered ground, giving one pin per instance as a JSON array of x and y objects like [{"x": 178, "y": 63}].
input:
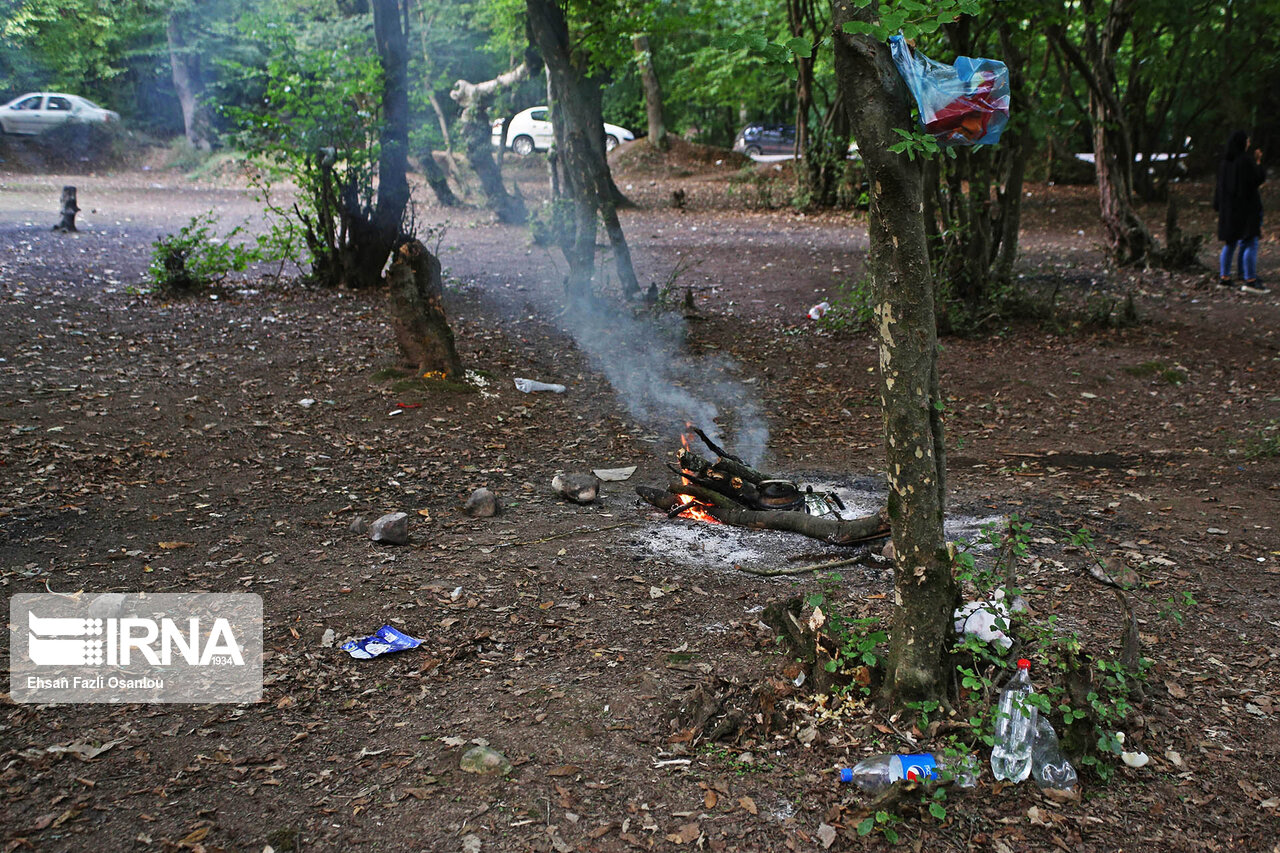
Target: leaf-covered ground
[{"x": 580, "y": 640}]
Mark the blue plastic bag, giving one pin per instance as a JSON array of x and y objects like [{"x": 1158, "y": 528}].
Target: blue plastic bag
[
  {"x": 385, "y": 639},
  {"x": 962, "y": 104}
]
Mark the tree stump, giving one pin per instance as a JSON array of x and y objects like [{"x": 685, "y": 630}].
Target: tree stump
[
  {"x": 69, "y": 211},
  {"x": 417, "y": 311}
]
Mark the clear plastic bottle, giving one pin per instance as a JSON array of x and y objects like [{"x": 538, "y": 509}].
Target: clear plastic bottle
[
  {"x": 879, "y": 772},
  {"x": 1049, "y": 767},
  {"x": 1015, "y": 727}
]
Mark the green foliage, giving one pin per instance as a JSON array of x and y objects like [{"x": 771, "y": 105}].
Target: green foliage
[
  {"x": 1176, "y": 375},
  {"x": 882, "y": 821},
  {"x": 910, "y": 18},
  {"x": 549, "y": 224},
  {"x": 858, "y": 640},
  {"x": 316, "y": 123},
  {"x": 195, "y": 257},
  {"x": 778, "y": 53},
  {"x": 852, "y": 307},
  {"x": 82, "y": 46},
  {"x": 1264, "y": 443},
  {"x": 1090, "y": 723}
]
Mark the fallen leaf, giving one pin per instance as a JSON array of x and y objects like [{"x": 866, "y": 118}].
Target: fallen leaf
[
  {"x": 195, "y": 836},
  {"x": 563, "y": 770},
  {"x": 748, "y": 804},
  {"x": 827, "y": 835},
  {"x": 710, "y": 799},
  {"x": 81, "y": 750},
  {"x": 685, "y": 834},
  {"x": 169, "y": 546}
]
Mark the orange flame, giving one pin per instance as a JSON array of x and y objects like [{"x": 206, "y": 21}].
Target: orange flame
[{"x": 694, "y": 510}]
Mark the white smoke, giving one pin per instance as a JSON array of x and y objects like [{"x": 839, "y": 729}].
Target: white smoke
[{"x": 646, "y": 360}]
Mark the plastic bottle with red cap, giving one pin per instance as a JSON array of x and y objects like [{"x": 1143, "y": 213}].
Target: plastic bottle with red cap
[{"x": 1015, "y": 731}]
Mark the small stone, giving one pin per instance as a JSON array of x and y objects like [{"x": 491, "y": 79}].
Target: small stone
[
  {"x": 471, "y": 844},
  {"x": 391, "y": 529},
  {"x": 579, "y": 488},
  {"x": 485, "y": 761},
  {"x": 888, "y": 552},
  {"x": 358, "y": 525},
  {"x": 482, "y": 504}
]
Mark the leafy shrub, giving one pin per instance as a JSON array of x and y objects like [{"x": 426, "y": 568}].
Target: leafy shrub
[{"x": 196, "y": 257}]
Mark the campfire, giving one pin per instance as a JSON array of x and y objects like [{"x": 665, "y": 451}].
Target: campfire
[{"x": 729, "y": 491}]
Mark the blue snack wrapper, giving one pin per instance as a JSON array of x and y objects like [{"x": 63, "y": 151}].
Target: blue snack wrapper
[{"x": 385, "y": 640}]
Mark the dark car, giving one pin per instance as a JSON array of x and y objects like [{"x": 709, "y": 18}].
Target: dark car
[{"x": 757, "y": 139}]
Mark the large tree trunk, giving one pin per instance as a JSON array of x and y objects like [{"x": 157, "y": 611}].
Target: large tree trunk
[
  {"x": 578, "y": 122},
  {"x": 474, "y": 98},
  {"x": 925, "y": 591},
  {"x": 652, "y": 93},
  {"x": 189, "y": 85},
  {"x": 375, "y": 234},
  {"x": 417, "y": 311}
]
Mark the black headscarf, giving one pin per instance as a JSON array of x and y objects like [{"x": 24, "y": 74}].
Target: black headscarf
[{"x": 1236, "y": 196}]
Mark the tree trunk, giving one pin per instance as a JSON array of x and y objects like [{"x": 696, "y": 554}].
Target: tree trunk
[
  {"x": 438, "y": 181},
  {"x": 652, "y": 93},
  {"x": 417, "y": 311},
  {"x": 925, "y": 592},
  {"x": 474, "y": 98},
  {"x": 373, "y": 235},
  {"x": 189, "y": 85},
  {"x": 1128, "y": 240},
  {"x": 69, "y": 210},
  {"x": 578, "y": 123}
]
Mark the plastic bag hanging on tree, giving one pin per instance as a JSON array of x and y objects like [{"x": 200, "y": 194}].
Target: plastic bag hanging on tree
[{"x": 962, "y": 104}]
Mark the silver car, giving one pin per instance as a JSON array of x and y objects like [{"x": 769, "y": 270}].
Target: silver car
[{"x": 36, "y": 112}]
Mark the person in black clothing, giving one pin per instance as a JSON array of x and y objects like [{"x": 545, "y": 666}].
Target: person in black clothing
[{"x": 1239, "y": 206}]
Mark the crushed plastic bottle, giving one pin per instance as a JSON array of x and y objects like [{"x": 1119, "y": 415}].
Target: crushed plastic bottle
[
  {"x": 816, "y": 312},
  {"x": 1049, "y": 767},
  {"x": 879, "y": 772},
  {"x": 530, "y": 385},
  {"x": 1015, "y": 727}
]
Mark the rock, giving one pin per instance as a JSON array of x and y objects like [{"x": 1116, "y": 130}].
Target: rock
[
  {"x": 391, "y": 529},
  {"x": 358, "y": 525},
  {"x": 485, "y": 761},
  {"x": 888, "y": 551},
  {"x": 482, "y": 504},
  {"x": 579, "y": 488}
]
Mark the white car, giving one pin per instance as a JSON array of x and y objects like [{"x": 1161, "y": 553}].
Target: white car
[
  {"x": 531, "y": 131},
  {"x": 36, "y": 112}
]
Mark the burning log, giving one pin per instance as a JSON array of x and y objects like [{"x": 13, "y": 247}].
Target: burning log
[{"x": 731, "y": 492}]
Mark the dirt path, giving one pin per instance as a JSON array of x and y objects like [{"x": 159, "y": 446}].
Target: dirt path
[{"x": 130, "y": 421}]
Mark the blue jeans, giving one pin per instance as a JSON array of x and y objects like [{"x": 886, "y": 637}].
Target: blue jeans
[{"x": 1248, "y": 259}]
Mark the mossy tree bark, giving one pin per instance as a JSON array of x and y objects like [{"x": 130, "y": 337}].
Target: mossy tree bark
[
  {"x": 416, "y": 300},
  {"x": 477, "y": 139},
  {"x": 925, "y": 590}
]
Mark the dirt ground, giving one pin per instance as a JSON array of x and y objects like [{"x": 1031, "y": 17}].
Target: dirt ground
[{"x": 574, "y": 639}]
